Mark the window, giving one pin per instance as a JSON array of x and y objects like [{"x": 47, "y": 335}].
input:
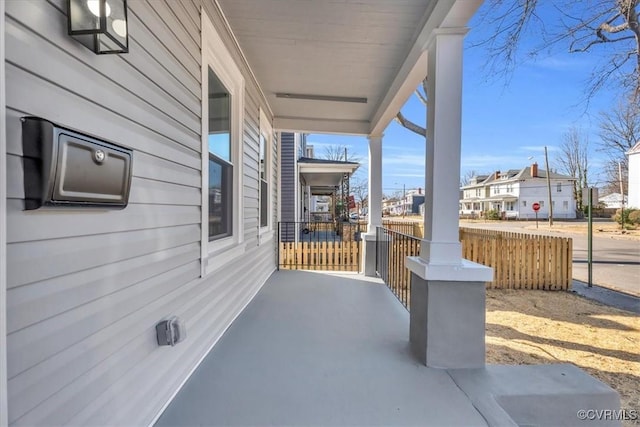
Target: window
[
  {"x": 222, "y": 150},
  {"x": 565, "y": 205},
  {"x": 265, "y": 172},
  {"x": 220, "y": 161},
  {"x": 541, "y": 203},
  {"x": 264, "y": 186},
  {"x": 524, "y": 203},
  {"x": 559, "y": 187}
]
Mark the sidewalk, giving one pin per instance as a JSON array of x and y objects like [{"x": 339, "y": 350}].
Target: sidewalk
[{"x": 607, "y": 296}]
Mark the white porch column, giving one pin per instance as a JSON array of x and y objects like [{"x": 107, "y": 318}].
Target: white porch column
[
  {"x": 444, "y": 122},
  {"x": 375, "y": 204},
  {"x": 375, "y": 183},
  {"x": 447, "y": 292}
]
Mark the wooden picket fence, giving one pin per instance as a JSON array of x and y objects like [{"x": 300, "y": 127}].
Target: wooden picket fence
[
  {"x": 323, "y": 255},
  {"x": 520, "y": 260}
]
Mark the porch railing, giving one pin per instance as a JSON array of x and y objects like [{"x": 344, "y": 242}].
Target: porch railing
[{"x": 391, "y": 250}]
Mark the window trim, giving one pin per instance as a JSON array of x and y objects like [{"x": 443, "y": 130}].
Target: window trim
[
  {"x": 266, "y": 129},
  {"x": 216, "y": 56}
]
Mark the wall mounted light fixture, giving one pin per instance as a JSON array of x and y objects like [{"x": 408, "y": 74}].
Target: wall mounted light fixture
[{"x": 100, "y": 25}]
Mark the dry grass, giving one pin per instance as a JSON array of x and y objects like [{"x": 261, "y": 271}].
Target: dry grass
[{"x": 537, "y": 327}]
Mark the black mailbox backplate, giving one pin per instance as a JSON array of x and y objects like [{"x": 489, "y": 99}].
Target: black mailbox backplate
[{"x": 63, "y": 167}]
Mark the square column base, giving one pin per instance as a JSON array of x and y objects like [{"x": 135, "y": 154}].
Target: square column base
[
  {"x": 369, "y": 255},
  {"x": 447, "y": 322}
]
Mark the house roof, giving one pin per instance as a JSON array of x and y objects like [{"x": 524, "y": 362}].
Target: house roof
[
  {"x": 310, "y": 160},
  {"x": 526, "y": 173},
  {"x": 324, "y": 175},
  {"x": 339, "y": 66},
  {"x": 635, "y": 149},
  {"x": 516, "y": 174}
]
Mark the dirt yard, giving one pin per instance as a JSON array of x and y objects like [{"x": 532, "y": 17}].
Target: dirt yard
[{"x": 537, "y": 327}]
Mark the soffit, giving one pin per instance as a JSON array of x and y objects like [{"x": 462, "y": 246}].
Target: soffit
[{"x": 346, "y": 48}]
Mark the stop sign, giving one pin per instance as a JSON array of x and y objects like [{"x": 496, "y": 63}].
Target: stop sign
[{"x": 536, "y": 206}]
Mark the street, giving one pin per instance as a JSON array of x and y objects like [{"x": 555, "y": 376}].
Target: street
[{"x": 616, "y": 261}]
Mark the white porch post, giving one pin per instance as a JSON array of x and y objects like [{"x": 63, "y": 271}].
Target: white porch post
[
  {"x": 447, "y": 292},
  {"x": 375, "y": 204}
]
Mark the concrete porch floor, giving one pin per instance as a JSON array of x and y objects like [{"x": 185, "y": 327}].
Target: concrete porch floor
[
  {"x": 330, "y": 349},
  {"x": 319, "y": 349}
]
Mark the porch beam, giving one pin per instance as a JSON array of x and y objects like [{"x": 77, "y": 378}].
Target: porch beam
[
  {"x": 447, "y": 318},
  {"x": 375, "y": 204},
  {"x": 319, "y": 125}
]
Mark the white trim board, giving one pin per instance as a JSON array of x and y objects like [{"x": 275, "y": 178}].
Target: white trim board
[
  {"x": 216, "y": 56},
  {"x": 3, "y": 230}
]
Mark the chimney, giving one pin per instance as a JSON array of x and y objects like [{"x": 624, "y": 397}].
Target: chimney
[
  {"x": 497, "y": 174},
  {"x": 419, "y": 190},
  {"x": 534, "y": 170},
  {"x": 309, "y": 152}
]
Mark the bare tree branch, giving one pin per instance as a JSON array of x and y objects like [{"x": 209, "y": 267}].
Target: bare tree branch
[
  {"x": 610, "y": 26},
  {"x": 573, "y": 160},
  {"x": 337, "y": 153},
  {"x": 400, "y": 118},
  {"x": 619, "y": 132}
]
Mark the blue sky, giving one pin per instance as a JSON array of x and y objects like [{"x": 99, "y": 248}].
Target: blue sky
[{"x": 504, "y": 122}]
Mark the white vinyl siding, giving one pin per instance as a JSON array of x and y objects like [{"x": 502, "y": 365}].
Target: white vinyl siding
[
  {"x": 86, "y": 287},
  {"x": 3, "y": 234}
]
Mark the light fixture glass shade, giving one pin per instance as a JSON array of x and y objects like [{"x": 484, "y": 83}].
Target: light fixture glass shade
[{"x": 100, "y": 25}]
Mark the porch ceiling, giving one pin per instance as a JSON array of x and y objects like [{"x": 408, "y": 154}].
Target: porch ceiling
[{"x": 367, "y": 50}]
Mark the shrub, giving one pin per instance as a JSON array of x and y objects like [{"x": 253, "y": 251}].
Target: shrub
[
  {"x": 634, "y": 216},
  {"x": 492, "y": 214},
  {"x": 631, "y": 216}
]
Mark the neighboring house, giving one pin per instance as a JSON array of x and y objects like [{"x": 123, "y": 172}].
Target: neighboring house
[
  {"x": 613, "y": 200},
  {"x": 634, "y": 177},
  {"x": 311, "y": 185},
  {"x": 408, "y": 204},
  {"x": 513, "y": 192},
  {"x": 202, "y": 103},
  {"x": 412, "y": 201},
  {"x": 389, "y": 205}
]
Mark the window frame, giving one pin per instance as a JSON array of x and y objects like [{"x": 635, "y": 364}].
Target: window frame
[
  {"x": 216, "y": 56},
  {"x": 266, "y": 131}
]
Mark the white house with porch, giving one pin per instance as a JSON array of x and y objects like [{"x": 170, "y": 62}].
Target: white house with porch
[
  {"x": 512, "y": 193},
  {"x": 141, "y": 203}
]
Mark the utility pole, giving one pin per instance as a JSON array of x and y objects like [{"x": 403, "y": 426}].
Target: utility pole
[
  {"x": 546, "y": 161},
  {"x": 404, "y": 200},
  {"x": 590, "y": 238}
]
